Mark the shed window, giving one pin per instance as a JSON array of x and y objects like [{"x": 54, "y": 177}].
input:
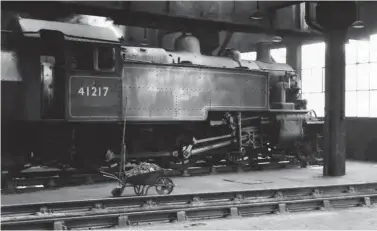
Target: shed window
[{"x": 361, "y": 81}]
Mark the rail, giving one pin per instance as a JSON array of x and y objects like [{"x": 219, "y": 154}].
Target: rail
[{"x": 110, "y": 212}]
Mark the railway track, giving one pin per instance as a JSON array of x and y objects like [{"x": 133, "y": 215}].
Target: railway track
[
  {"x": 43, "y": 180},
  {"x": 132, "y": 211}
]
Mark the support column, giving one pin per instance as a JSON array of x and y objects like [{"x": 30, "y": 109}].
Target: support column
[
  {"x": 334, "y": 131},
  {"x": 335, "y": 19}
]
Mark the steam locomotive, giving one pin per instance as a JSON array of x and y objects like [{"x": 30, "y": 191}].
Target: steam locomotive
[{"x": 72, "y": 95}]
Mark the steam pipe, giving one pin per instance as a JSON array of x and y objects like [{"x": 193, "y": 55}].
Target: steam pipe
[
  {"x": 211, "y": 139},
  {"x": 250, "y": 118},
  {"x": 239, "y": 131},
  {"x": 195, "y": 151},
  {"x": 198, "y": 151}
]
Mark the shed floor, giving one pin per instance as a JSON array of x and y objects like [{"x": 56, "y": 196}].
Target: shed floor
[{"x": 357, "y": 172}]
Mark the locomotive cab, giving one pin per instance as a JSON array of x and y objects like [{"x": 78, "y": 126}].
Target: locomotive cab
[
  {"x": 51, "y": 72},
  {"x": 52, "y": 54}
]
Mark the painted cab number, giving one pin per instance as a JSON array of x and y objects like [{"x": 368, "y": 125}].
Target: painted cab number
[{"x": 93, "y": 91}]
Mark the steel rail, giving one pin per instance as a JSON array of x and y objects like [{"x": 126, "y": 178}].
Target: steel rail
[
  {"x": 22, "y": 210},
  {"x": 122, "y": 218}
]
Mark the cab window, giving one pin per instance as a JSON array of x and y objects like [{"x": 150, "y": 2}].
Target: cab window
[
  {"x": 105, "y": 58},
  {"x": 82, "y": 57}
]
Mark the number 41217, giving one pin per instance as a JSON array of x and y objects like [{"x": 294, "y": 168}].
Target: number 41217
[{"x": 93, "y": 91}]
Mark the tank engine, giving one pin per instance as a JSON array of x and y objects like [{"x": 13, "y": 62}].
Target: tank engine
[{"x": 69, "y": 91}]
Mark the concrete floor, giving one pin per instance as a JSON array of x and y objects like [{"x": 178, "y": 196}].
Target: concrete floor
[
  {"x": 350, "y": 219},
  {"x": 357, "y": 172}
]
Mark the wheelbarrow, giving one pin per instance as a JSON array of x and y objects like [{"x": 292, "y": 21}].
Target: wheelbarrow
[{"x": 142, "y": 183}]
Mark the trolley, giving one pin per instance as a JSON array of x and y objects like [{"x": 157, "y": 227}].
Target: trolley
[{"x": 142, "y": 183}]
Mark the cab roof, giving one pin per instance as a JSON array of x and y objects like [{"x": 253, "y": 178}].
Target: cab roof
[{"x": 32, "y": 27}]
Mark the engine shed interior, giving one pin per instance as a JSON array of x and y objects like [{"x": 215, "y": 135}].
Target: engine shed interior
[
  {"x": 155, "y": 69},
  {"x": 228, "y": 109}
]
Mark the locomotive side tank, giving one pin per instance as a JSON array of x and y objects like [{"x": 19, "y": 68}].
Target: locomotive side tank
[{"x": 79, "y": 86}]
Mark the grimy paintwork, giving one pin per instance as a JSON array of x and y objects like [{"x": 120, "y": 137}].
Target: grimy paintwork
[
  {"x": 161, "y": 92},
  {"x": 176, "y": 104}
]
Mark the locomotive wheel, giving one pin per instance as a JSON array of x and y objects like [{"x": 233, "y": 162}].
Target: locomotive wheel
[
  {"x": 234, "y": 159},
  {"x": 164, "y": 186},
  {"x": 180, "y": 164},
  {"x": 253, "y": 158},
  {"x": 307, "y": 151},
  {"x": 317, "y": 154},
  {"x": 14, "y": 164},
  {"x": 16, "y": 170},
  {"x": 216, "y": 159},
  {"x": 302, "y": 153}
]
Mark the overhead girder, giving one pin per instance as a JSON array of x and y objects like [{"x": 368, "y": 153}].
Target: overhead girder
[
  {"x": 161, "y": 16},
  {"x": 275, "y": 5}
]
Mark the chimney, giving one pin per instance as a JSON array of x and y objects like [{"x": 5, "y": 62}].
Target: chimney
[{"x": 263, "y": 52}]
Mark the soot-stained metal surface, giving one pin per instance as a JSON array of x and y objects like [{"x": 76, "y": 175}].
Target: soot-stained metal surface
[
  {"x": 186, "y": 93},
  {"x": 102, "y": 98},
  {"x": 159, "y": 92}
]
